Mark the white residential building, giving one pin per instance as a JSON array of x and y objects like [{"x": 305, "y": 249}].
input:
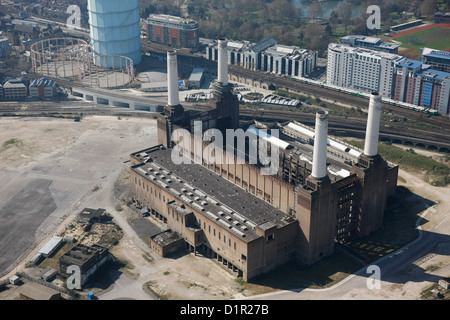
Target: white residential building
[{"x": 361, "y": 69}]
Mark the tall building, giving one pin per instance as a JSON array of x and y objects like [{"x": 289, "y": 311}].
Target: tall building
[
  {"x": 5, "y": 47},
  {"x": 361, "y": 69},
  {"x": 171, "y": 30},
  {"x": 115, "y": 31},
  {"x": 416, "y": 83},
  {"x": 320, "y": 192}
]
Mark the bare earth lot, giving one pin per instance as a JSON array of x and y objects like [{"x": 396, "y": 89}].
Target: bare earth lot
[{"x": 49, "y": 170}]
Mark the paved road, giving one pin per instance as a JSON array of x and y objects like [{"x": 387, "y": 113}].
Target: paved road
[
  {"x": 126, "y": 288},
  {"x": 399, "y": 274}
]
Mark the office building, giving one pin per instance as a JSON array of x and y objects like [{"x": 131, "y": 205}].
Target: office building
[
  {"x": 43, "y": 89},
  {"x": 173, "y": 31},
  {"x": 361, "y": 69},
  {"x": 15, "y": 90},
  {"x": 437, "y": 59}
]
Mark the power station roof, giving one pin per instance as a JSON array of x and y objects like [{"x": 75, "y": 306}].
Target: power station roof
[{"x": 207, "y": 192}]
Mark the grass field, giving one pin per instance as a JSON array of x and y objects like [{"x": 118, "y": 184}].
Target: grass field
[{"x": 436, "y": 38}]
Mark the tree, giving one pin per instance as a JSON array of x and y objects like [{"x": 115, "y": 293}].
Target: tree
[
  {"x": 427, "y": 8},
  {"x": 316, "y": 38},
  {"x": 315, "y": 11},
  {"x": 345, "y": 14}
]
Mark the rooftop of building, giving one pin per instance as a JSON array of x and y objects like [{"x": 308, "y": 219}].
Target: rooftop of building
[
  {"x": 362, "y": 38},
  {"x": 171, "y": 19},
  {"x": 51, "y": 245},
  {"x": 301, "y": 141},
  {"x": 428, "y": 52},
  {"x": 432, "y": 74},
  {"x": 263, "y": 45},
  {"x": 423, "y": 69},
  {"x": 81, "y": 253},
  {"x": 376, "y": 42},
  {"x": 196, "y": 74},
  {"x": 91, "y": 214},
  {"x": 15, "y": 83},
  {"x": 409, "y": 63},
  {"x": 43, "y": 82},
  {"x": 37, "y": 291},
  {"x": 209, "y": 193},
  {"x": 287, "y": 51},
  {"x": 167, "y": 237},
  {"x": 363, "y": 51}
]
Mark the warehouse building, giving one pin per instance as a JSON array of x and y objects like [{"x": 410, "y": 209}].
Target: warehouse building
[
  {"x": 35, "y": 291},
  {"x": 50, "y": 247},
  {"x": 322, "y": 191},
  {"x": 43, "y": 89},
  {"x": 15, "y": 90},
  {"x": 87, "y": 258},
  {"x": 267, "y": 56},
  {"x": 196, "y": 78}
]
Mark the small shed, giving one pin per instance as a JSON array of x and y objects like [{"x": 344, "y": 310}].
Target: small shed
[
  {"x": 166, "y": 242},
  {"x": 196, "y": 78},
  {"x": 91, "y": 215},
  {"x": 444, "y": 284},
  {"x": 50, "y": 247},
  {"x": 37, "y": 257},
  {"x": 48, "y": 274}
]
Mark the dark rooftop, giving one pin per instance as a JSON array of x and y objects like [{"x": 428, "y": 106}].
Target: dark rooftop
[{"x": 208, "y": 193}]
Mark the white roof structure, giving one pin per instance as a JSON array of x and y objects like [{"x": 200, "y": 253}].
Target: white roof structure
[{"x": 50, "y": 246}]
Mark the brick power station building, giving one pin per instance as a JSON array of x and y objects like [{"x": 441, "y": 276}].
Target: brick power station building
[{"x": 324, "y": 191}]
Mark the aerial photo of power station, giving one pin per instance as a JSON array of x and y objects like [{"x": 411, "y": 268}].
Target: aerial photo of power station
[{"x": 237, "y": 151}]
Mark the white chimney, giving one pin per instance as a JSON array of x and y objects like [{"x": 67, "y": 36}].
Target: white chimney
[
  {"x": 172, "y": 74},
  {"x": 373, "y": 125},
  {"x": 223, "y": 62},
  {"x": 319, "y": 167}
]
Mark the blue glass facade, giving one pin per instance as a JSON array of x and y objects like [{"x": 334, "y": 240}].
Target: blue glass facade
[
  {"x": 427, "y": 93},
  {"x": 115, "y": 30}
]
